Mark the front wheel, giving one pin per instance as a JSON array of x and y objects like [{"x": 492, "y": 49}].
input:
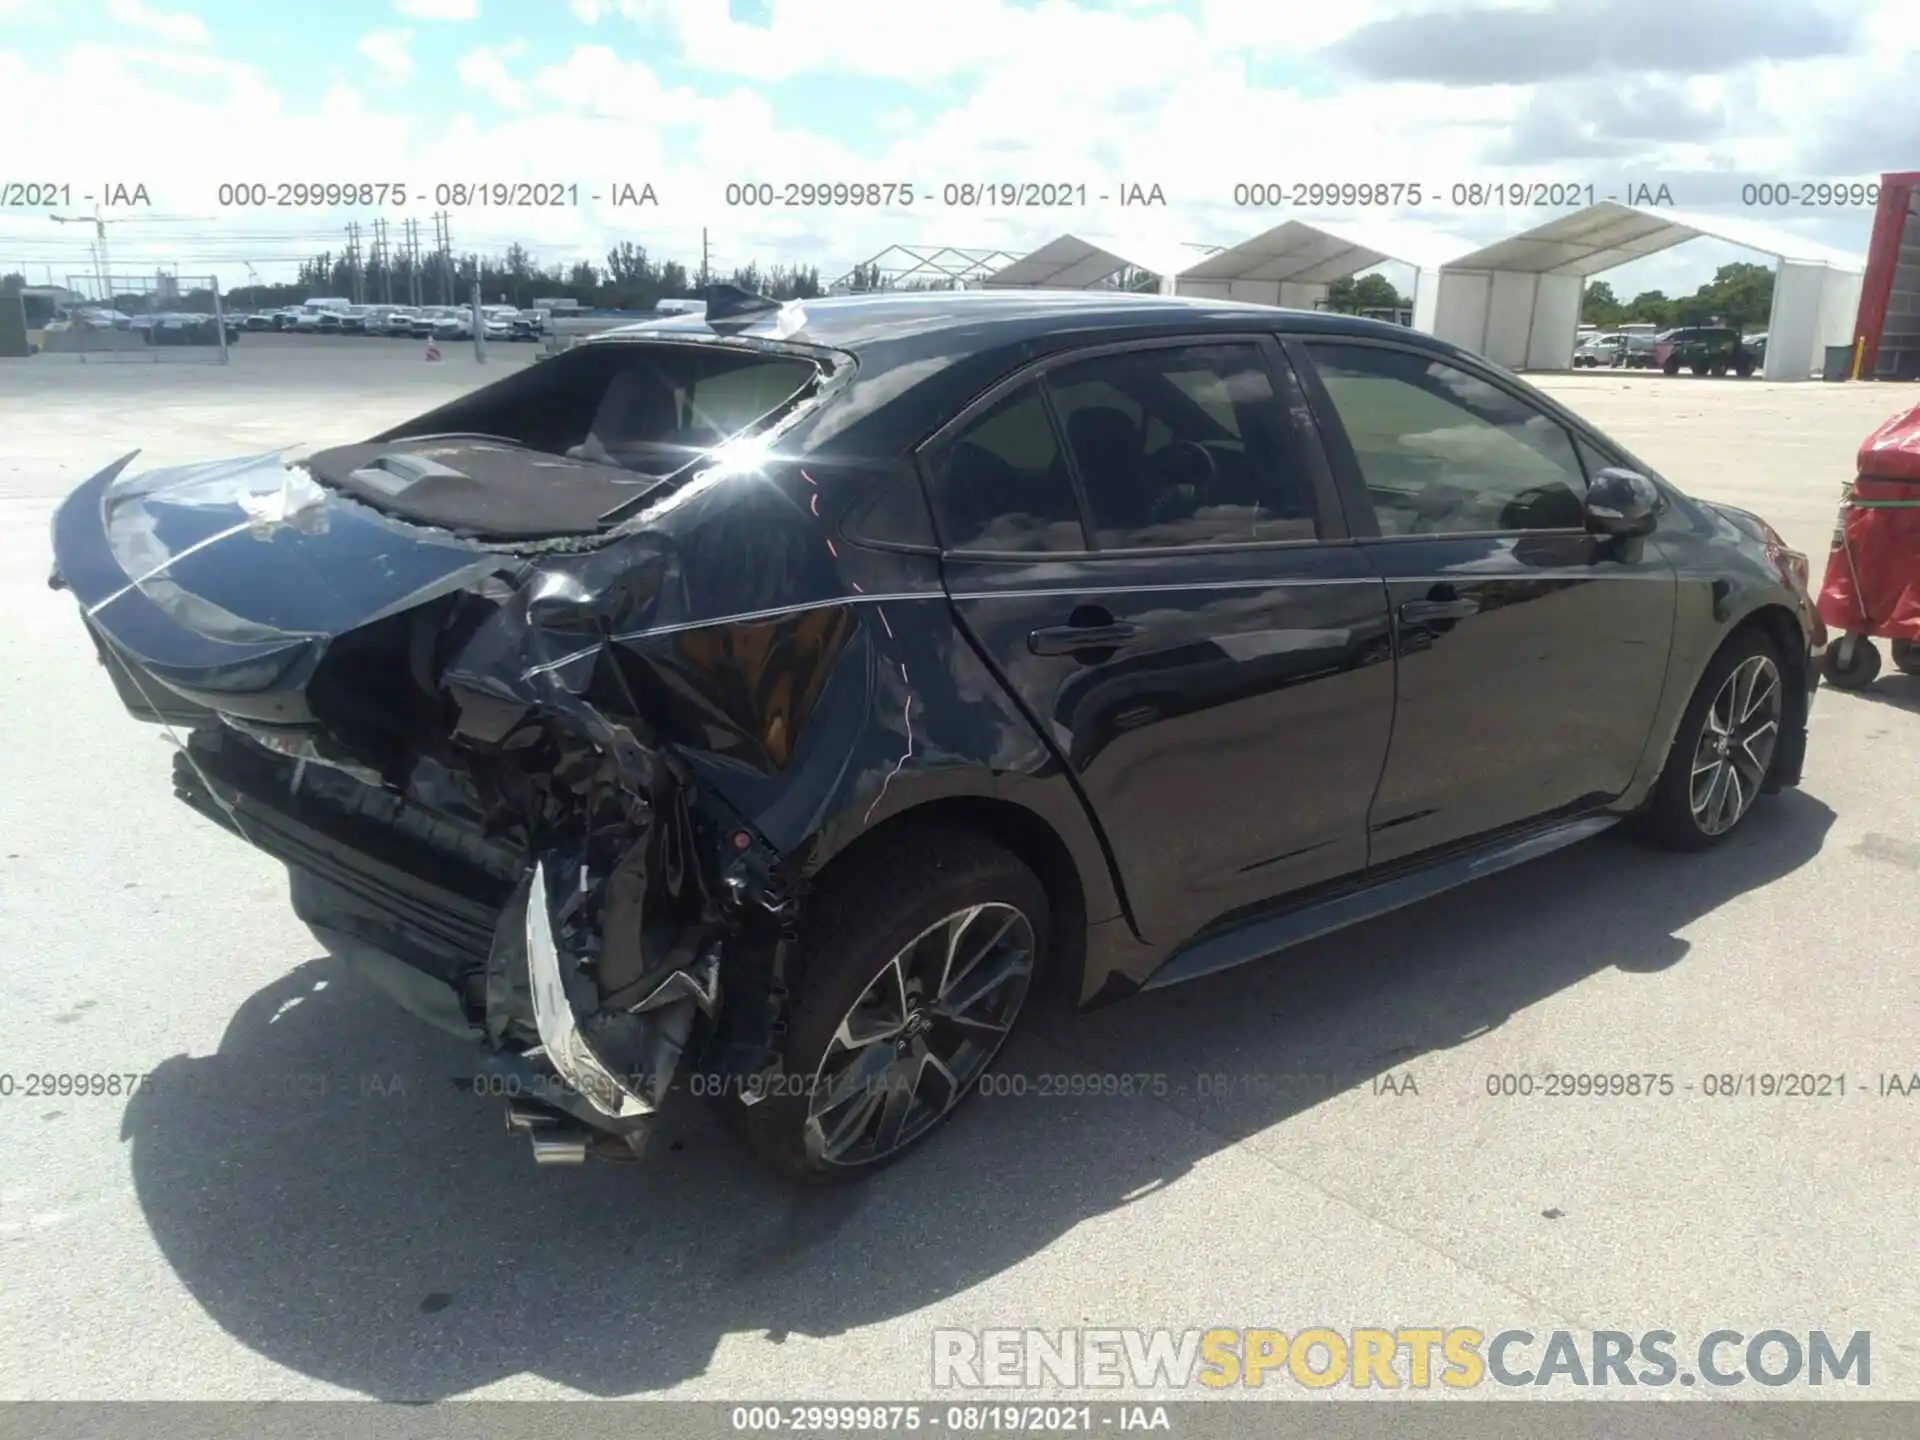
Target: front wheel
[
  {"x": 917, "y": 965},
  {"x": 1724, "y": 749}
]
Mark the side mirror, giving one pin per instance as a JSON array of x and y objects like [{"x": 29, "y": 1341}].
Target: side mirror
[{"x": 1622, "y": 504}]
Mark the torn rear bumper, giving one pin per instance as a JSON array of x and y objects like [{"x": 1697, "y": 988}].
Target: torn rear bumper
[{"x": 466, "y": 949}]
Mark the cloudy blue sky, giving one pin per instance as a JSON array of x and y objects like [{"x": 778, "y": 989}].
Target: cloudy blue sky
[{"x": 1703, "y": 96}]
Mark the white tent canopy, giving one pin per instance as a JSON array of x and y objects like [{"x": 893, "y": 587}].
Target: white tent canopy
[
  {"x": 1517, "y": 301},
  {"x": 1293, "y": 264},
  {"x": 1071, "y": 262}
]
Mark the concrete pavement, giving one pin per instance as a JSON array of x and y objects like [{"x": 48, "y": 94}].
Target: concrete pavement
[{"x": 302, "y": 1200}]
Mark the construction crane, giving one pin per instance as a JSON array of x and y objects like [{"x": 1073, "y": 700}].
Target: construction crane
[{"x": 101, "y": 267}]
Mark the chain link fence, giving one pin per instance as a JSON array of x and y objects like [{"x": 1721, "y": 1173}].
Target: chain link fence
[{"x": 144, "y": 318}]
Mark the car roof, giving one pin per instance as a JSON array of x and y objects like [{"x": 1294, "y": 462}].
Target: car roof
[
  {"x": 920, "y": 356},
  {"x": 940, "y": 321}
]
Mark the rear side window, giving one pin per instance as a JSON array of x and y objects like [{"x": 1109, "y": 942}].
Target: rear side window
[
  {"x": 1183, "y": 446},
  {"x": 1002, "y": 483}
]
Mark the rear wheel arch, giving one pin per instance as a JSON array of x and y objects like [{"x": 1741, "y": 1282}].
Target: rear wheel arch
[{"x": 1022, "y": 832}]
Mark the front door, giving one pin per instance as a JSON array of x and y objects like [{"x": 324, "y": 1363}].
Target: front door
[
  {"x": 1531, "y": 654},
  {"x": 1135, "y": 542}
]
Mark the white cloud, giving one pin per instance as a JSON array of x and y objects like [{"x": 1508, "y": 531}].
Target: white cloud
[
  {"x": 175, "y": 26},
  {"x": 485, "y": 70},
  {"x": 439, "y": 9},
  {"x": 387, "y": 49},
  {"x": 1192, "y": 99}
]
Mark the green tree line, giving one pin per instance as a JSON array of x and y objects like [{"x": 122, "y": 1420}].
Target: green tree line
[{"x": 1740, "y": 295}]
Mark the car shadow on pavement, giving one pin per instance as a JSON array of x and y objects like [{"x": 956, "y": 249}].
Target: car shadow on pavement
[
  {"x": 332, "y": 1192},
  {"x": 1899, "y": 692}
]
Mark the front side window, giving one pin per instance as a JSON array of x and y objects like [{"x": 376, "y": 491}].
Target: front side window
[
  {"x": 1442, "y": 451},
  {"x": 1003, "y": 485},
  {"x": 1183, "y": 446}
]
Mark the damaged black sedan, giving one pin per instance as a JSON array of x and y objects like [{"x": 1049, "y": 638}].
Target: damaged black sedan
[{"x": 779, "y": 703}]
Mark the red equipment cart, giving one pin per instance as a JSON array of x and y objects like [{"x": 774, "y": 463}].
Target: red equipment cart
[{"x": 1872, "y": 585}]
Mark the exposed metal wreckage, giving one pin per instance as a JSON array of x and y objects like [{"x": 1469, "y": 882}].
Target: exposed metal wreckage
[
  {"x": 593, "y": 913},
  {"x": 646, "y": 921}
]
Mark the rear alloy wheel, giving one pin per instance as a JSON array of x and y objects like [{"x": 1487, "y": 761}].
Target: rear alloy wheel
[
  {"x": 920, "y": 1035},
  {"x": 1725, "y": 747},
  {"x": 914, "y": 972}
]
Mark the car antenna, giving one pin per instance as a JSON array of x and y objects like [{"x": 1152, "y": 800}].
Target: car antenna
[{"x": 730, "y": 302}]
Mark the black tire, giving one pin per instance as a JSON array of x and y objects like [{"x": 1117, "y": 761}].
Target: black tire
[
  {"x": 858, "y": 926},
  {"x": 1672, "y": 817},
  {"x": 1852, "y": 662},
  {"x": 1743, "y": 368},
  {"x": 1906, "y": 657},
  {"x": 1716, "y": 370},
  {"x": 1672, "y": 367}
]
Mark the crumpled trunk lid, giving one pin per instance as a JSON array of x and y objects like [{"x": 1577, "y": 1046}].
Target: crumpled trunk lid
[{"x": 223, "y": 582}]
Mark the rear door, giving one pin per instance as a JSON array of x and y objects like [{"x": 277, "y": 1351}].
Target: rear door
[
  {"x": 1143, "y": 544},
  {"x": 1531, "y": 653}
]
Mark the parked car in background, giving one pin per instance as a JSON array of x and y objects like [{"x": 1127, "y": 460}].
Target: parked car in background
[
  {"x": 529, "y": 325},
  {"x": 1598, "y": 350},
  {"x": 399, "y": 321},
  {"x": 330, "y": 322},
  {"x": 260, "y": 320},
  {"x": 94, "y": 317},
  {"x": 1637, "y": 353},
  {"x": 1756, "y": 346},
  {"x": 454, "y": 324},
  {"x": 182, "y": 327},
  {"x": 1704, "y": 350},
  {"x": 499, "y": 320},
  {"x": 774, "y": 705}
]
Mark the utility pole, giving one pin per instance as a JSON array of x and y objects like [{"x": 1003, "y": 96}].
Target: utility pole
[
  {"x": 353, "y": 262},
  {"x": 411, "y": 244},
  {"x": 383, "y": 257},
  {"x": 704, "y": 272},
  {"x": 443, "y": 244}
]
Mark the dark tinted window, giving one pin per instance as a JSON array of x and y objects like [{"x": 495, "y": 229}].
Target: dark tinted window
[
  {"x": 894, "y": 514},
  {"x": 1183, "y": 446},
  {"x": 1002, "y": 484},
  {"x": 1444, "y": 452}
]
